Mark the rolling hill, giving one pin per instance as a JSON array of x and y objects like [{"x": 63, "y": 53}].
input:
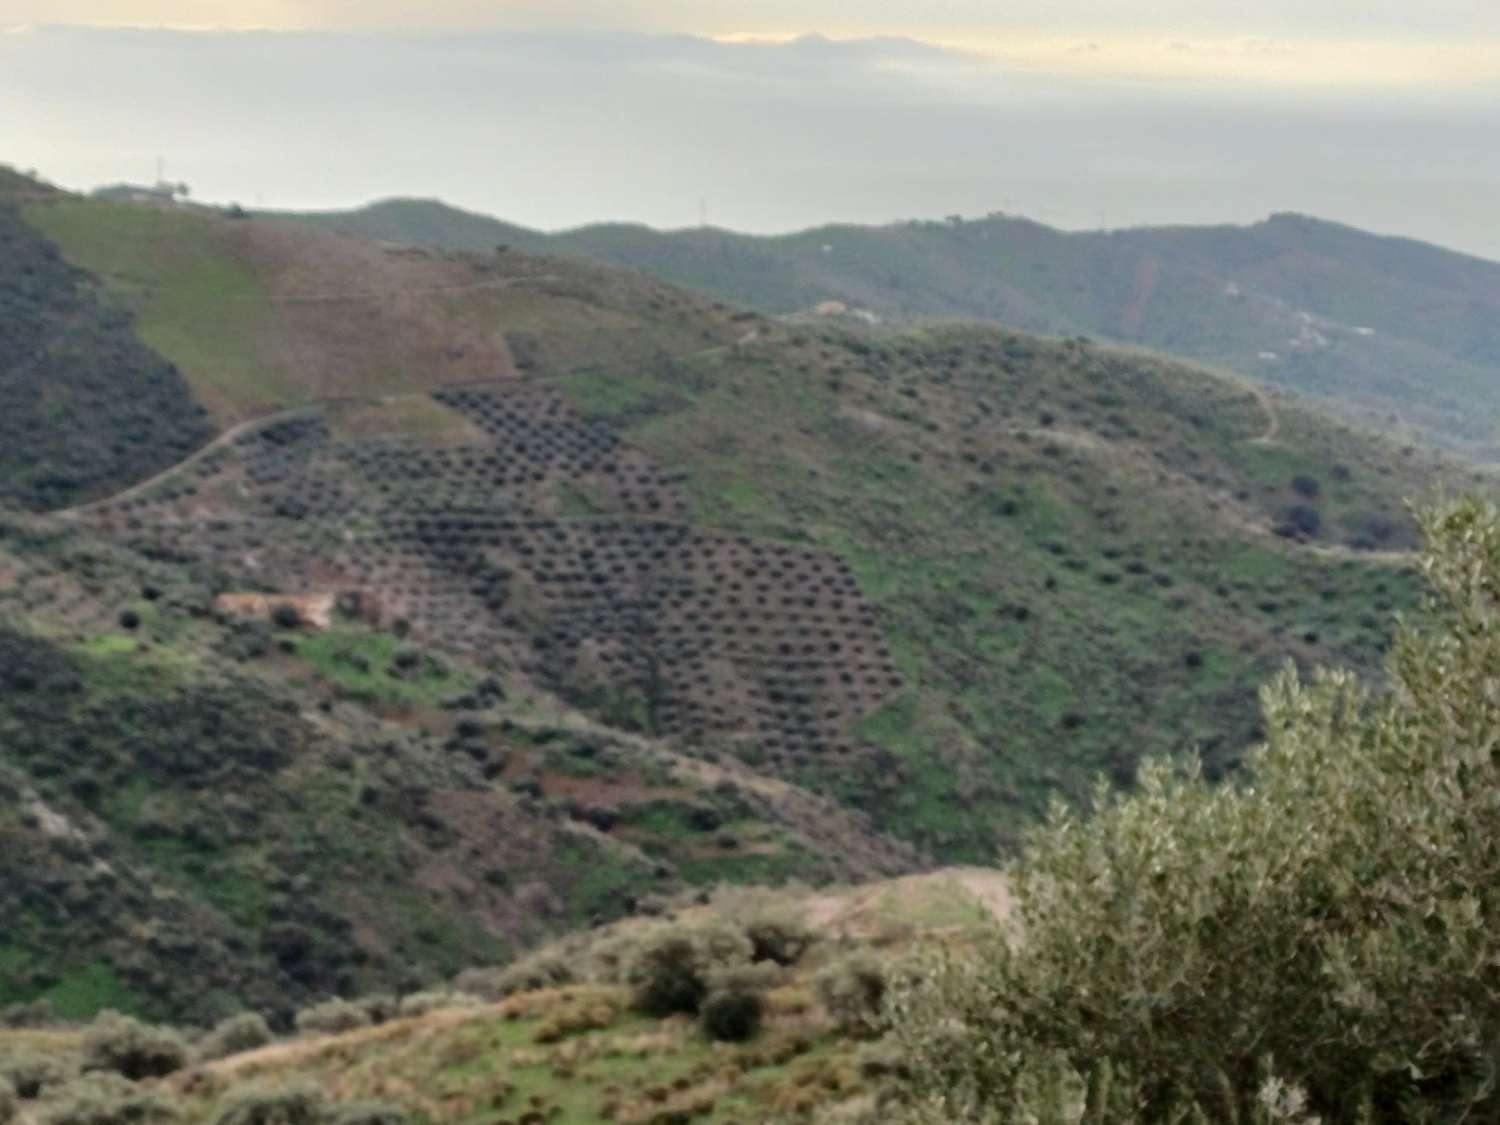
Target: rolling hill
[
  {"x": 1397, "y": 335},
  {"x": 508, "y": 593}
]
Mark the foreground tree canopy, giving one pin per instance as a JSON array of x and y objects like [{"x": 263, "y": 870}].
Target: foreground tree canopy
[{"x": 1320, "y": 942}]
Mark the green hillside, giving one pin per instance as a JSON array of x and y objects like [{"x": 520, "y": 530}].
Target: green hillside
[
  {"x": 223, "y": 812},
  {"x": 1398, "y": 335},
  {"x": 552, "y": 589}
]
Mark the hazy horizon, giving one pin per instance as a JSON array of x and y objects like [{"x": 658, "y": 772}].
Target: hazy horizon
[{"x": 558, "y": 128}]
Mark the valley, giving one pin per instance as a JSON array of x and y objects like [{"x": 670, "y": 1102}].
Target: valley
[
  {"x": 609, "y": 591},
  {"x": 1001, "y": 667}
]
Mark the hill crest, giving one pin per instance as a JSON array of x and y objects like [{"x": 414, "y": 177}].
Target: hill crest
[{"x": 1396, "y": 334}]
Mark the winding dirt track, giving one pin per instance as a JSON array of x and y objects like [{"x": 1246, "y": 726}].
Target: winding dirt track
[
  {"x": 1273, "y": 416},
  {"x": 223, "y": 439}
]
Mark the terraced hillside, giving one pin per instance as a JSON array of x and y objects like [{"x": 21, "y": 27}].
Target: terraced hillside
[
  {"x": 539, "y": 543},
  {"x": 406, "y": 672},
  {"x": 1395, "y": 334}
]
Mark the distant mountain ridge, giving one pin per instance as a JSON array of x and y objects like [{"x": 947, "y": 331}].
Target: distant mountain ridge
[{"x": 1391, "y": 332}]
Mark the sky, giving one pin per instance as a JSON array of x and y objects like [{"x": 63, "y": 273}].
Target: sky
[{"x": 778, "y": 114}]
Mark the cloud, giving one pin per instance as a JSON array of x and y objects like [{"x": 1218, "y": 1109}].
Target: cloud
[{"x": 947, "y": 20}]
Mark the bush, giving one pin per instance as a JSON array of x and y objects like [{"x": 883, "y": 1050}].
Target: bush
[
  {"x": 1320, "y": 943},
  {"x": 882, "y": 1059},
  {"x": 286, "y": 616},
  {"x": 1300, "y": 520},
  {"x": 732, "y": 1016},
  {"x": 542, "y": 970},
  {"x": 35, "y": 1013},
  {"x": 853, "y": 991},
  {"x": 722, "y": 946},
  {"x": 8, "y": 1102},
  {"x": 131, "y": 1048},
  {"x": 1304, "y": 485},
  {"x": 262, "y": 1104},
  {"x": 782, "y": 939},
  {"x": 582, "y": 1014},
  {"x": 237, "y": 1034},
  {"x": 667, "y": 975},
  {"x": 30, "y": 1072},
  {"x": 332, "y": 1017},
  {"x": 102, "y": 1099},
  {"x": 421, "y": 1003},
  {"x": 380, "y": 1006}
]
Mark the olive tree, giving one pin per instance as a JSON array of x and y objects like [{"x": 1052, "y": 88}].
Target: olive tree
[{"x": 1319, "y": 941}]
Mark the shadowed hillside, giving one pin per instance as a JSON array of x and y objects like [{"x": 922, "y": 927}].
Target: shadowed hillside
[
  {"x": 1396, "y": 334},
  {"x": 86, "y": 404}
]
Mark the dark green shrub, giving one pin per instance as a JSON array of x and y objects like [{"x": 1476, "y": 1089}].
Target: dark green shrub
[
  {"x": 1300, "y": 520},
  {"x": 237, "y": 1034},
  {"x": 128, "y": 1047},
  {"x": 265, "y": 1104},
  {"x": 781, "y": 939},
  {"x": 667, "y": 975},
  {"x": 286, "y": 616},
  {"x": 102, "y": 1099},
  {"x": 1317, "y": 944},
  {"x": 732, "y": 1016}
]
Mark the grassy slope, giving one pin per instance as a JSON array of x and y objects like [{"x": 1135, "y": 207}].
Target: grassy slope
[
  {"x": 1431, "y": 362},
  {"x": 299, "y": 319}
]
